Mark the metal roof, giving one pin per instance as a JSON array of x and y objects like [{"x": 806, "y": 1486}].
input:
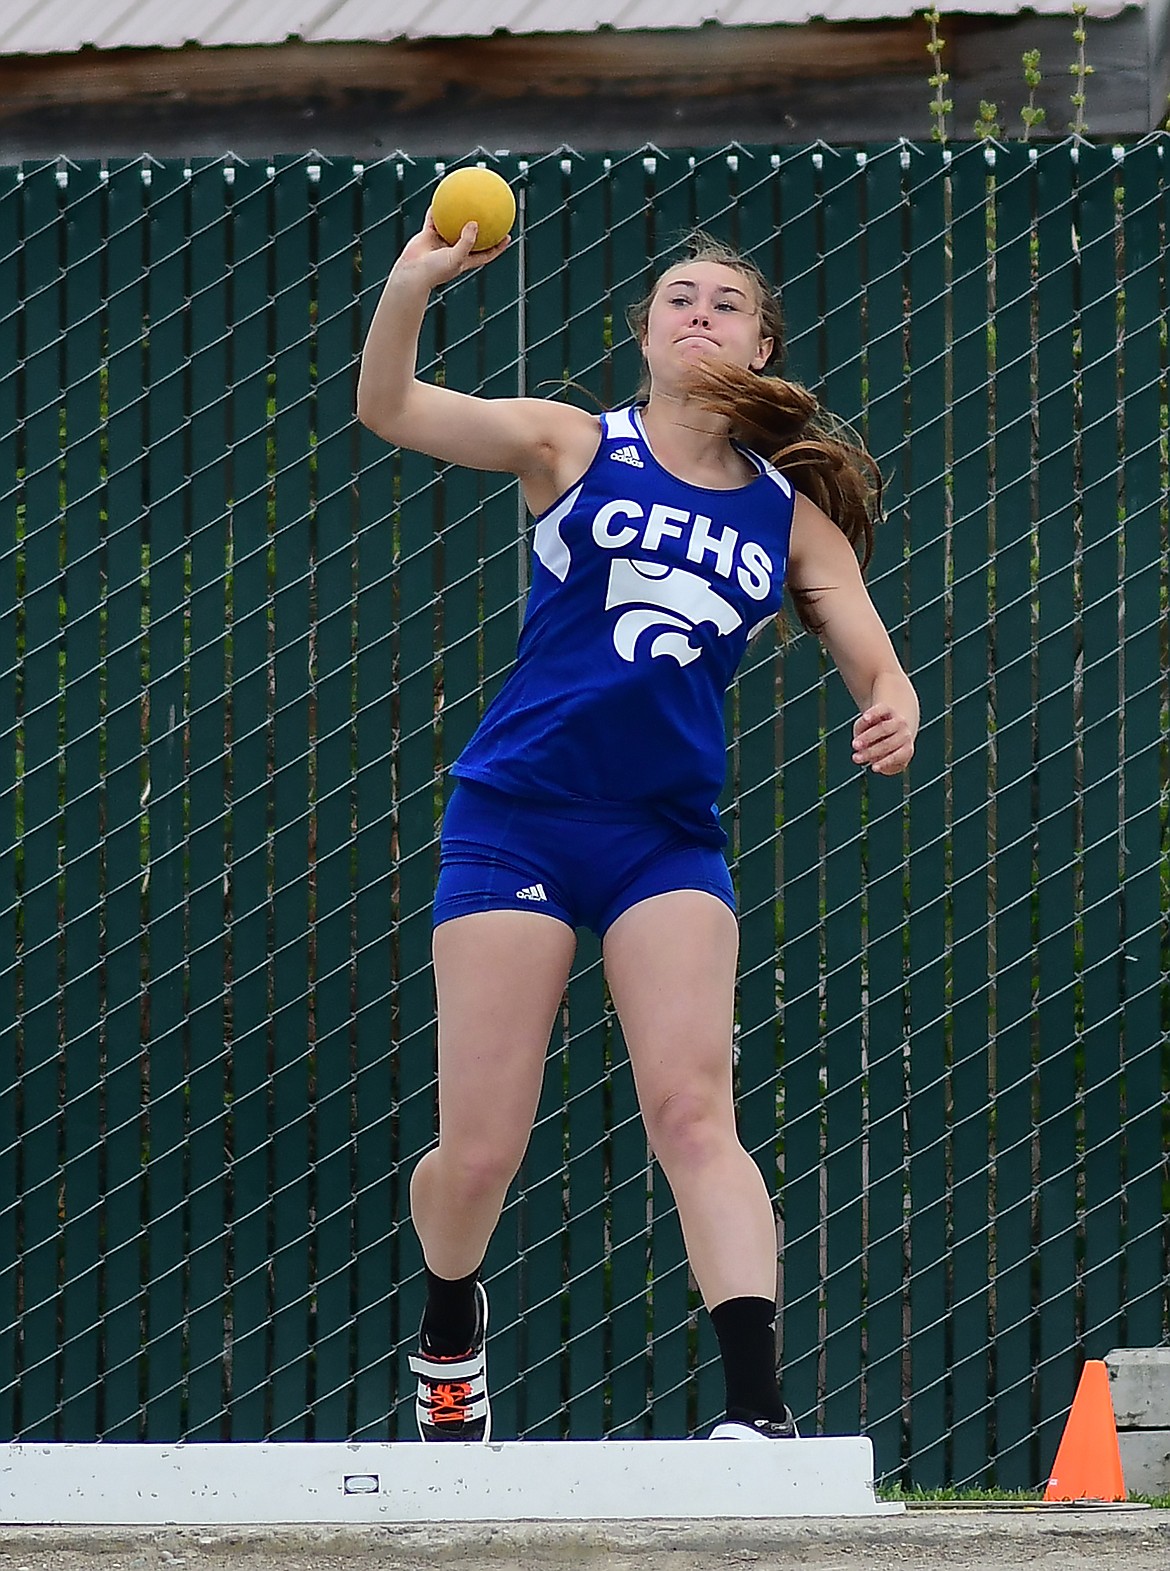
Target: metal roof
[{"x": 62, "y": 26}]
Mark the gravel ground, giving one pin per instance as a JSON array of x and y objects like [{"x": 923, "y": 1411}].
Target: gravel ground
[{"x": 1053, "y": 1539}]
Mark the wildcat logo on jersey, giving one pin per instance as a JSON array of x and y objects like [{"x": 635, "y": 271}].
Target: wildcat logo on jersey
[{"x": 666, "y": 604}]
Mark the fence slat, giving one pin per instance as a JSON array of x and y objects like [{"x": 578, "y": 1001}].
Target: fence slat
[
  {"x": 82, "y": 653},
  {"x": 208, "y": 681},
  {"x": 1057, "y": 638},
  {"x": 1144, "y": 697},
  {"x": 39, "y": 1178},
  {"x": 333, "y": 833},
  {"x": 251, "y": 1064},
  {"x": 1014, "y": 524},
  {"x": 972, "y": 367},
  {"x": 844, "y": 336},
  {"x": 927, "y": 502},
  {"x": 883, "y": 818},
  {"x": 123, "y": 1198},
  {"x": 1102, "y": 944},
  {"x": 395, "y": 850},
  {"x": 11, "y": 811},
  {"x": 292, "y": 653},
  {"x": 166, "y": 471}
]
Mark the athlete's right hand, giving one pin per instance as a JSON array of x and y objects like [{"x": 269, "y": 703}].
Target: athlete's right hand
[{"x": 428, "y": 257}]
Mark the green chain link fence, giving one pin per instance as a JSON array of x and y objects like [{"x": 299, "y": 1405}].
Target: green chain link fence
[{"x": 241, "y": 640}]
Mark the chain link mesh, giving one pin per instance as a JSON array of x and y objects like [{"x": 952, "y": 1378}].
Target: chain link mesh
[{"x": 241, "y": 641}]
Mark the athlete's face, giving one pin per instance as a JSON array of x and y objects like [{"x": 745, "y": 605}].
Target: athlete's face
[{"x": 704, "y": 311}]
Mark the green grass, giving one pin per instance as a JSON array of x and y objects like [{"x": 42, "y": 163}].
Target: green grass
[{"x": 975, "y": 1497}]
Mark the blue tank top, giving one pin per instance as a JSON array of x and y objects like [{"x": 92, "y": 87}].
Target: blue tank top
[{"x": 645, "y": 591}]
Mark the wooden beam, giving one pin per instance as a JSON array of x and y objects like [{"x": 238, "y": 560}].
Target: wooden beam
[
  {"x": 602, "y": 91},
  {"x": 708, "y": 62}
]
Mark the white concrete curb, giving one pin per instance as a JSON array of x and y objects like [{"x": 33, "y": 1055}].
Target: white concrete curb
[{"x": 369, "y": 1482}]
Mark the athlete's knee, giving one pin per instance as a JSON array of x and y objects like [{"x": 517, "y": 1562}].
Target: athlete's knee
[
  {"x": 689, "y": 1128},
  {"x": 470, "y": 1171}
]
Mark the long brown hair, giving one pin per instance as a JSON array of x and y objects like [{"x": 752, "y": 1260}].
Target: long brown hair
[{"x": 783, "y": 421}]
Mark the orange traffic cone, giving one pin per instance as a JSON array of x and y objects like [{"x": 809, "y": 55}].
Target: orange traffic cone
[{"x": 1088, "y": 1460}]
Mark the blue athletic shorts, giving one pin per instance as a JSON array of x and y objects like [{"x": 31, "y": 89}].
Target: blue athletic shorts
[{"x": 583, "y": 866}]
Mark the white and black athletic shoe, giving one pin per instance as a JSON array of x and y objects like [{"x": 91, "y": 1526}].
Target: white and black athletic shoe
[
  {"x": 452, "y": 1402},
  {"x": 756, "y": 1429}
]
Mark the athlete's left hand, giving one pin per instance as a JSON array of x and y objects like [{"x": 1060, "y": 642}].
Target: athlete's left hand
[{"x": 883, "y": 739}]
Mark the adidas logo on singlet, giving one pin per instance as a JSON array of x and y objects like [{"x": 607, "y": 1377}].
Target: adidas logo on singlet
[
  {"x": 628, "y": 455},
  {"x": 533, "y": 892}
]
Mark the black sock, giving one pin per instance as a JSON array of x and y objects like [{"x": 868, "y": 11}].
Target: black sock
[
  {"x": 451, "y": 1315},
  {"x": 748, "y": 1345}
]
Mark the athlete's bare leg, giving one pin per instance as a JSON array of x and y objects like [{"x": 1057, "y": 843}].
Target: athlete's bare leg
[
  {"x": 500, "y": 977},
  {"x": 670, "y": 962}
]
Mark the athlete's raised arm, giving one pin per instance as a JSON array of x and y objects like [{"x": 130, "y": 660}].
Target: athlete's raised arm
[
  {"x": 823, "y": 565},
  {"x": 547, "y": 444}
]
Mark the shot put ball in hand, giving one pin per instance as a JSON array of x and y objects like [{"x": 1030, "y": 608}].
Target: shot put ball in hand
[{"x": 474, "y": 194}]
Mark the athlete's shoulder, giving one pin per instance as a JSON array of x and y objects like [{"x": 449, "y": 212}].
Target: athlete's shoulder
[
  {"x": 567, "y": 443},
  {"x": 621, "y": 425},
  {"x": 819, "y": 548},
  {"x": 555, "y": 416}
]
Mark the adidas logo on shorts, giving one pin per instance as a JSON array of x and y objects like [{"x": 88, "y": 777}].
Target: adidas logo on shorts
[
  {"x": 628, "y": 455},
  {"x": 533, "y": 892}
]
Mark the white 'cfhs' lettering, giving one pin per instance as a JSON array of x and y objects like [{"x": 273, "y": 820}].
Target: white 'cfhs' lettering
[
  {"x": 621, "y": 522},
  {"x": 608, "y": 537},
  {"x": 754, "y": 575},
  {"x": 659, "y": 524},
  {"x": 721, "y": 545}
]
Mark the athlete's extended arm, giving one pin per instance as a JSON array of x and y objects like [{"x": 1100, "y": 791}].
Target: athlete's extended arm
[
  {"x": 522, "y": 436},
  {"x": 821, "y": 561}
]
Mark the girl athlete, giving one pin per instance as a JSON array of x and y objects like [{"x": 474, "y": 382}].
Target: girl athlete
[{"x": 663, "y": 539}]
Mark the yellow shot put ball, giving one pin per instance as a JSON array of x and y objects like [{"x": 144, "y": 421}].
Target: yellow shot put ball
[{"x": 473, "y": 193}]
